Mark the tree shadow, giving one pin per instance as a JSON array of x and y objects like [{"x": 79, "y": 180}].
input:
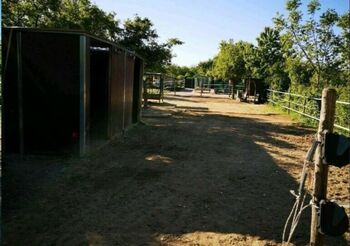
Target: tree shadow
[{"x": 208, "y": 175}]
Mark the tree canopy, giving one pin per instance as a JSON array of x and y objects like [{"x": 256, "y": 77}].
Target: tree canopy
[
  {"x": 303, "y": 49},
  {"x": 136, "y": 33}
]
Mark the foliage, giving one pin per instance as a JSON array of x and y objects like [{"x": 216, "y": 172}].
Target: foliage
[
  {"x": 302, "y": 50},
  {"x": 204, "y": 68},
  {"x": 312, "y": 107},
  {"x": 180, "y": 72},
  {"x": 272, "y": 59},
  {"x": 298, "y": 71},
  {"x": 229, "y": 63},
  {"x": 251, "y": 61},
  {"x": 68, "y": 14},
  {"x": 137, "y": 34},
  {"x": 344, "y": 44},
  {"x": 314, "y": 39}
]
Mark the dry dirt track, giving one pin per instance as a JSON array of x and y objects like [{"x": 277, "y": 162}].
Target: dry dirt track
[{"x": 187, "y": 176}]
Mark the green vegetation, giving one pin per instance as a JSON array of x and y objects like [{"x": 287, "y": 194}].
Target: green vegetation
[
  {"x": 137, "y": 33},
  {"x": 301, "y": 52},
  {"x": 297, "y": 54}
]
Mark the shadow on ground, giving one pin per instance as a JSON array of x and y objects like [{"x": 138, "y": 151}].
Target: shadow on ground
[{"x": 169, "y": 177}]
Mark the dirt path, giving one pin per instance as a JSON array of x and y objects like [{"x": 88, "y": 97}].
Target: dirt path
[{"x": 209, "y": 171}]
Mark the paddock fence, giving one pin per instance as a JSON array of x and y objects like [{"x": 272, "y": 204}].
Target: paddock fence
[{"x": 309, "y": 107}]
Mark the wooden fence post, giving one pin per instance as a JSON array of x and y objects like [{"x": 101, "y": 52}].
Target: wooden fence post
[
  {"x": 201, "y": 87},
  {"x": 288, "y": 101},
  {"x": 145, "y": 95},
  {"x": 321, "y": 171}
]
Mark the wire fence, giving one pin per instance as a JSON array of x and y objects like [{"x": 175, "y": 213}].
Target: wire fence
[{"x": 309, "y": 107}]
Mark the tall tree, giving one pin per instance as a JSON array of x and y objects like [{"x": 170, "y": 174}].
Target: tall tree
[
  {"x": 180, "y": 71},
  {"x": 71, "y": 14},
  {"x": 251, "y": 61},
  {"x": 36, "y": 13},
  {"x": 344, "y": 44},
  {"x": 205, "y": 68},
  {"x": 229, "y": 63},
  {"x": 139, "y": 35},
  {"x": 314, "y": 39},
  {"x": 271, "y": 58}
]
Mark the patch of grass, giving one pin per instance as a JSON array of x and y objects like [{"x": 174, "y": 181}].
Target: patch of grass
[{"x": 295, "y": 117}]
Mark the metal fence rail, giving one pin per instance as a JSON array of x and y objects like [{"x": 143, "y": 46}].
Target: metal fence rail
[{"x": 308, "y": 107}]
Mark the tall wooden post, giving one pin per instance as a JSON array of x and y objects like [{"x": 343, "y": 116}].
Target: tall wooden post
[
  {"x": 321, "y": 171},
  {"x": 201, "y": 81}
]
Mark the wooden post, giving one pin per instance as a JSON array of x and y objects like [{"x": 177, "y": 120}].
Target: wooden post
[
  {"x": 201, "y": 86},
  {"x": 321, "y": 171},
  {"x": 288, "y": 101},
  {"x": 304, "y": 103},
  {"x": 231, "y": 83},
  {"x": 145, "y": 95}
]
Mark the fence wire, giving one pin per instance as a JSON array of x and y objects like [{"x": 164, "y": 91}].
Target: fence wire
[{"x": 310, "y": 107}]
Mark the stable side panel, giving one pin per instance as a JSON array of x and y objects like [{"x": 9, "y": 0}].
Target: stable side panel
[
  {"x": 117, "y": 92},
  {"x": 10, "y": 123},
  {"x": 129, "y": 84},
  {"x": 50, "y": 91}
]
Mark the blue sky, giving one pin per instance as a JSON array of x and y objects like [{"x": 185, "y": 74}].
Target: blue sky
[{"x": 202, "y": 24}]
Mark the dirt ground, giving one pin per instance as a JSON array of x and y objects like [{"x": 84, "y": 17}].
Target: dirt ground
[{"x": 198, "y": 171}]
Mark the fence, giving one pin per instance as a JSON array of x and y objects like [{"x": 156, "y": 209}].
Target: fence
[{"x": 309, "y": 107}]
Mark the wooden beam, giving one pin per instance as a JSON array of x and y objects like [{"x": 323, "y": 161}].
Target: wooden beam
[{"x": 321, "y": 171}]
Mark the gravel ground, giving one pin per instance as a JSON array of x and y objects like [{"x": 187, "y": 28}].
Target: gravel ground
[{"x": 198, "y": 171}]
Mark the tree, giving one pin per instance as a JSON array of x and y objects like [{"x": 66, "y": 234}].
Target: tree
[
  {"x": 29, "y": 13},
  {"x": 229, "y": 63},
  {"x": 344, "y": 44},
  {"x": 137, "y": 34},
  {"x": 180, "y": 71},
  {"x": 314, "y": 39},
  {"x": 271, "y": 59},
  {"x": 69, "y": 14},
  {"x": 81, "y": 14},
  {"x": 251, "y": 61},
  {"x": 204, "y": 68}
]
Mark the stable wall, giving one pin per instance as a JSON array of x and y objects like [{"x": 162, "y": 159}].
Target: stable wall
[{"x": 66, "y": 91}]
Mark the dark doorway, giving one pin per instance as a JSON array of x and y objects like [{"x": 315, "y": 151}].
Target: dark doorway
[
  {"x": 136, "y": 92},
  {"x": 99, "y": 70}
]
